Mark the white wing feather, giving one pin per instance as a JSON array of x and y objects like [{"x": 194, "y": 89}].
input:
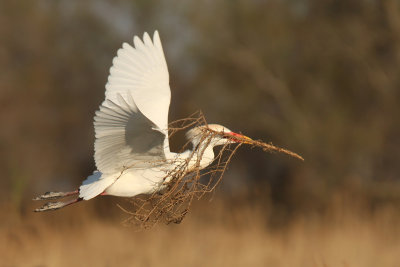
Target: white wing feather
[
  {"x": 142, "y": 73},
  {"x": 132, "y": 122},
  {"x": 125, "y": 138}
]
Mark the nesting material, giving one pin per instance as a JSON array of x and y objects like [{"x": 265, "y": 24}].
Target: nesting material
[
  {"x": 187, "y": 183},
  {"x": 267, "y": 147}
]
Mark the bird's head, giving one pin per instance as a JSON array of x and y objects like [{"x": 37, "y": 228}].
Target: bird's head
[{"x": 215, "y": 135}]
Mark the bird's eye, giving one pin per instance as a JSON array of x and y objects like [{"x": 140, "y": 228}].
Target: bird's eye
[{"x": 225, "y": 135}]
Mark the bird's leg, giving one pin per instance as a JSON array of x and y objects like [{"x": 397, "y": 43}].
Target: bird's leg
[
  {"x": 57, "y": 205},
  {"x": 55, "y": 195}
]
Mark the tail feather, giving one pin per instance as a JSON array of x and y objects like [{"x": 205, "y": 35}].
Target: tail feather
[{"x": 95, "y": 184}]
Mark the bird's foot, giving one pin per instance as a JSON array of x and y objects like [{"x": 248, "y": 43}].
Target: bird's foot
[
  {"x": 57, "y": 205},
  {"x": 54, "y": 195},
  {"x": 50, "y": 206}
]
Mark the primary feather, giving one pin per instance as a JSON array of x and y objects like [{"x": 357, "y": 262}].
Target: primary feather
[{"x": 141, "y": 72}]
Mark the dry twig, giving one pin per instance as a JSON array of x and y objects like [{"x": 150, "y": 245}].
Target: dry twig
[{"x": 186, "y": 184}]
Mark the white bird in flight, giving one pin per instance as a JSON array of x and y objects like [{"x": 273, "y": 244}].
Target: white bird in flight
[{"x": 132, "y": 152}]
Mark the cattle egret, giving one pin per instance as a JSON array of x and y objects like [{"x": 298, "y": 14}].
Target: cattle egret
[{"x": 132, "y": 152}]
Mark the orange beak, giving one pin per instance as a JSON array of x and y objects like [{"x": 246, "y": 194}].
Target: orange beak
[
  {"x": 246, "y": 138},
  {"x": 241, "y": 137}
]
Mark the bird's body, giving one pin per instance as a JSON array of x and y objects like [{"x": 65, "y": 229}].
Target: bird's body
[
  {"x": 133, "y": 181},
  {"x": 137, "y": 181},
  {"x": 132, "y": 152}
]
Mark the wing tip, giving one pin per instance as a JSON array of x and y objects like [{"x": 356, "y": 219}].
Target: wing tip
[
  {"x": 137, "y": 42},
  {"x": 156, "y": 34},
  {"x": 147, "y": 39}
]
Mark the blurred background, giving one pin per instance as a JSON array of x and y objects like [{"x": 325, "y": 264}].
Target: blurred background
[{"x": 320, "y": 78}]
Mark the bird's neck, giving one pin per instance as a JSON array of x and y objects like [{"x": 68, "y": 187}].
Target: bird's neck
[
  {"x": 204, "y": 154},
  {"x": 199, "y": 157}
]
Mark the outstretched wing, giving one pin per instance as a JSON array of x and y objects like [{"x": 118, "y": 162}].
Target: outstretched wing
[
  {"x": 125, "y": 138},
  {"x": 142, "y": 73},
  {"x": 132, "y": 124}
]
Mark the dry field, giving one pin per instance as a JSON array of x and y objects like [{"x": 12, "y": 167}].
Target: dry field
[{"x": 213, "y": 234}]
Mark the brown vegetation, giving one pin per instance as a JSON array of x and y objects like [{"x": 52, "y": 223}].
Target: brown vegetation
[
  {"x": 214, "y": 234},
  {"x": 185, "y": 182}
]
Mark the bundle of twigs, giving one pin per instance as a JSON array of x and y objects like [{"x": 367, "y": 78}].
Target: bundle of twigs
[
  {"x": 186, "y": 184},
  {"x": 267, "y": 147}
]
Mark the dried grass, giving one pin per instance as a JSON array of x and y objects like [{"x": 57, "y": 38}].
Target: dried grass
[{"x": 186, "y": 182}]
